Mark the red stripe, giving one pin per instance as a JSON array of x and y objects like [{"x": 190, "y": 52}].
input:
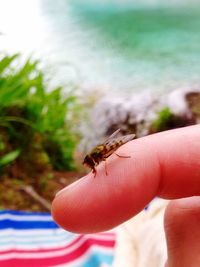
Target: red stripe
[
  {"x": 44, "y": 262},
  {"x": 44, "y": 250},
  {"x": 90, "y": 240}
]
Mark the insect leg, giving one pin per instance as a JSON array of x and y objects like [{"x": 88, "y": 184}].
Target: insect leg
[
  {"x": 94, "y": 171},
  {"x": 120, "y": 156},
  {"x": 106, "y": 167}
]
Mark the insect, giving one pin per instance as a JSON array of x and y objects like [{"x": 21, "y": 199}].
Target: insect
[{"x": 102, "y": 151}]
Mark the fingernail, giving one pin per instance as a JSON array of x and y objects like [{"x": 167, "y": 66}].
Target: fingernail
[{"x": 67, "y": 188}]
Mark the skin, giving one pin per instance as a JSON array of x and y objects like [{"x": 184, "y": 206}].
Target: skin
[{"x": 165, "y": 165}]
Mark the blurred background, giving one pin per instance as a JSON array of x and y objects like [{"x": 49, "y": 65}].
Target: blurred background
[
  {"x": 73, "y": 72},
  {"x": 120, "y": 46}
]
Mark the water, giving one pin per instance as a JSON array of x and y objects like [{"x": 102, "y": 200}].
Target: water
[{"x": 119, "y": 46}]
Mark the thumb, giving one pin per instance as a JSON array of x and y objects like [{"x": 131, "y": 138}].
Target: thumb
[{"x": 182, "y": 231}]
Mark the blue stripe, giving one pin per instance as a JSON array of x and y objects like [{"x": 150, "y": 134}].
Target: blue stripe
[
  {"x": 25, "y": 225},
  {"x": 94, "y": 260},
  {"x": 51, "y": 233},
  {"x": 97, "y": 260}
]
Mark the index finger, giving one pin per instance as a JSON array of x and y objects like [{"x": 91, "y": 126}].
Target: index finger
[{"x": 166, "y": 164}]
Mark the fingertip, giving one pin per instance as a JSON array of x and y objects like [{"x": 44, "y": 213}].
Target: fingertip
[{"x": 101, "y": 203}]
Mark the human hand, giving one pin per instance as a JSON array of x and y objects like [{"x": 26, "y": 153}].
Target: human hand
[{"x": 165, "y": 165}]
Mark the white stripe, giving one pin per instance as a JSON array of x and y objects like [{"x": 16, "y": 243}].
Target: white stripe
[
  {"x": 49, "y": 233},
  {"x": 45, "y": 239},
  {"x": 14, "y": 217},
  {"x": 33, "y": 232},
  {"x": 34, "y": 239},
  {"x": 59, "y": 245},
  {"x": 49, "y": 238},
  {"x": 56, "y": 231},
  {"x": 33, "y": 246}
]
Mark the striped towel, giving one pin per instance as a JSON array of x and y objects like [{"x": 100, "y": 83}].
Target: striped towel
[{"x": 30, "y": 239}]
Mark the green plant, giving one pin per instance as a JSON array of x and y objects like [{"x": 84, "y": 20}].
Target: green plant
[
  {"x": 9, "y": 157},
  {"x": 164, "y": 117},
  {"x": 35, "y": 121},
  {"x": 167, "y": 120}
]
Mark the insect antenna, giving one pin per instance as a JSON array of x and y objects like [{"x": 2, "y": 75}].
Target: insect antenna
[{"x": 121, "y": 156}]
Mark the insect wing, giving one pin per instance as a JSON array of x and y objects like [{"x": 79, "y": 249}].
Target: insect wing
[
  {"x": 112, "y": 136},
  {"x": 119, "y": 141},
  {"x": 126, "y": 138},
  {"x": 112, "y": 144}
]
